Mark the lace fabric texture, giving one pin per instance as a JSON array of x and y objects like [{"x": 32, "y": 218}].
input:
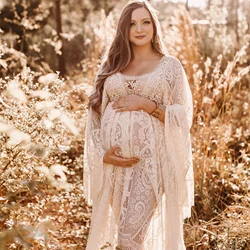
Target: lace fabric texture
[{"x": 141, "y": 207}]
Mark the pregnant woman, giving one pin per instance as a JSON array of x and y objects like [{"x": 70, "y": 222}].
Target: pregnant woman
[{"x": 138, "y": 163}]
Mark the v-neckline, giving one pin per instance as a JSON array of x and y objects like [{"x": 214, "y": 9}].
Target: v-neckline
[
  {"x": 135, "y": 77},
  {"x": 124, "y": 78}
]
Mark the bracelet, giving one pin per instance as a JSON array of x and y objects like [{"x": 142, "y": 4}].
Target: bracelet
[
  {"x": 158, "y": 111},
  {"x": 156, "y": 106}
]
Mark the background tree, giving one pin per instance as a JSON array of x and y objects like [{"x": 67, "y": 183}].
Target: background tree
[{"x": 61, "y": 58}]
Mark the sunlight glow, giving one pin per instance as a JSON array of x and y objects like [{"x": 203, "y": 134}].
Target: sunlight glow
[
  {"x": 194, "y": 3},
  {"x": 197, "y": 3}
]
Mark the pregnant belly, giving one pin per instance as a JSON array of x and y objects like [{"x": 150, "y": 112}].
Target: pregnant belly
[{"x": 132, "y": 131}]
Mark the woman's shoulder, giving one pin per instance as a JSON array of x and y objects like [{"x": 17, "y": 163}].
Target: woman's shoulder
[
  {"x": 172, "y": 60},
  {"x": 172, "y": 65}
]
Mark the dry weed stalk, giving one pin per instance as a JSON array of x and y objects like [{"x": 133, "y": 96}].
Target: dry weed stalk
[{"x": 179, "y": 35}]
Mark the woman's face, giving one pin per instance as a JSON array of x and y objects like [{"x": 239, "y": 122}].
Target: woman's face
[{"x": 141, "y": 27}]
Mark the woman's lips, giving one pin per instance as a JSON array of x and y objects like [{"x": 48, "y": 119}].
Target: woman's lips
[{"x": 139, "y": 37}]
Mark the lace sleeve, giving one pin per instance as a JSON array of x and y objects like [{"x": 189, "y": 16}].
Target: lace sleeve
[
  {"x": 178, "y": 121},
  {"x": 93, "y": 153}
]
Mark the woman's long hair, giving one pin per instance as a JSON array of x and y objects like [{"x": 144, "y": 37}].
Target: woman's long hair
[{"x": 119, "y": 54}]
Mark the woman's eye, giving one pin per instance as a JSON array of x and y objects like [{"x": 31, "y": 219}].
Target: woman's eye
[
  {"x": 147, "y": 22},
  {"x": 131, "y": 24}
]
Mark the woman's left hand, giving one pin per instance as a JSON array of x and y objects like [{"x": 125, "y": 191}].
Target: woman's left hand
[{"x": 128, "y": 103}]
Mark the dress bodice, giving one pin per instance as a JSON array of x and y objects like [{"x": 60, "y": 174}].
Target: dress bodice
[{"x": 150, "y": 85}]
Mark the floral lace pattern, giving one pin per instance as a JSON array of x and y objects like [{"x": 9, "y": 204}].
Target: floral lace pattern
[{"x": 141, "y": 207}]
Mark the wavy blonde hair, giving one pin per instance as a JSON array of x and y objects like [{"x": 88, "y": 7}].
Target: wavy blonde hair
[{"x": 119, "y": 54}]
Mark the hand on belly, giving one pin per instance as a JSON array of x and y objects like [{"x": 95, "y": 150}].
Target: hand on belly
[{"x": 110, "y": 157}]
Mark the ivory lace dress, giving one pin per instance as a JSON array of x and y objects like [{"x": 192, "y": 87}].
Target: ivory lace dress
[{"x": 141, "y": 207}]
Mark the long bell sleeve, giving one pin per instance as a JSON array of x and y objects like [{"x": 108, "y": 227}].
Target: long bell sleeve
[
  {"x": 178, "y": 177},
  {"x": 93, "y": 153}
]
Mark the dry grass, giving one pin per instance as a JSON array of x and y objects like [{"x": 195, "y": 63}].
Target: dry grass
[{"x": 220, "y": 137}]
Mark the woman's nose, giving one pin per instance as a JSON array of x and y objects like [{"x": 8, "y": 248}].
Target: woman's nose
[{"x": 139, "y": 28}]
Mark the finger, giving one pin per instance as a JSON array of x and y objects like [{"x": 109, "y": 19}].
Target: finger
[
  {"x": 128, "y": 163},
  {"x": 114, "y": 105},
  {"x": 117, "y": 106},
  {"x": 125, "y": 161},
  {"x": 117, "y": 103},
  {"x": 135, "y": 158},
  {"x": 123, "y": 109},
  {"x": 113, "y": 149},
  {"x": 119, "y": 110},
  {"x": 129, "y": 159}
]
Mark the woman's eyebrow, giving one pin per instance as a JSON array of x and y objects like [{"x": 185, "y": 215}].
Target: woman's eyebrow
[{"x": 142, "y": 19}]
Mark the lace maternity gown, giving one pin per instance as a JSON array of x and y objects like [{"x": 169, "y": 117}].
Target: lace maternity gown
[{"x": 141, "y": 207}]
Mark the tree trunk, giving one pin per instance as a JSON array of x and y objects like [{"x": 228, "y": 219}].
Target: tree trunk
[
  {"x": 237, "y": 20},
  {"x": 187, "y": 6},
  {"x": 209, "y": 3},
  {"x": 61, "y": 60}
]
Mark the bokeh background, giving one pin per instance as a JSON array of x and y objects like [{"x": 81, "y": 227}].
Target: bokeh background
[{"x": 49, "y": 54}]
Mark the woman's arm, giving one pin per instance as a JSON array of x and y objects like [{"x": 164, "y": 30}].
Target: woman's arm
[{"x": 135, "y": 102}]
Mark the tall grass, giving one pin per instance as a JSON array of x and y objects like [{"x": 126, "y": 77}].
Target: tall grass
[{"x": 220, "y": 137}]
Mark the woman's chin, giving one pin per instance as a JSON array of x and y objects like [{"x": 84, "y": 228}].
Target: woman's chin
[{"x": 140, "y": 43}]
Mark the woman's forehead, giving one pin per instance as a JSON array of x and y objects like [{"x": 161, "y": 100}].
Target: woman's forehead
[{"x": 139, "y": 14}]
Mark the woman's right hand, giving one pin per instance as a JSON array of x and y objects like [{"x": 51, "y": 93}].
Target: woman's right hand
[{"x": 111, "y": 158}]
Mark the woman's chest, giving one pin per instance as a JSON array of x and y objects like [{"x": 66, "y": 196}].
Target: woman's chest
[{"x": 152, "y": 86}]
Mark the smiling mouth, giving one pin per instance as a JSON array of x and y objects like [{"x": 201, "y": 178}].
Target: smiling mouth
[{"x": 139, "y": 37}]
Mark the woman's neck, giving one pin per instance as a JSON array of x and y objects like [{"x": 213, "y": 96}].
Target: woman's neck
[{"x": 142, "y": 53}]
